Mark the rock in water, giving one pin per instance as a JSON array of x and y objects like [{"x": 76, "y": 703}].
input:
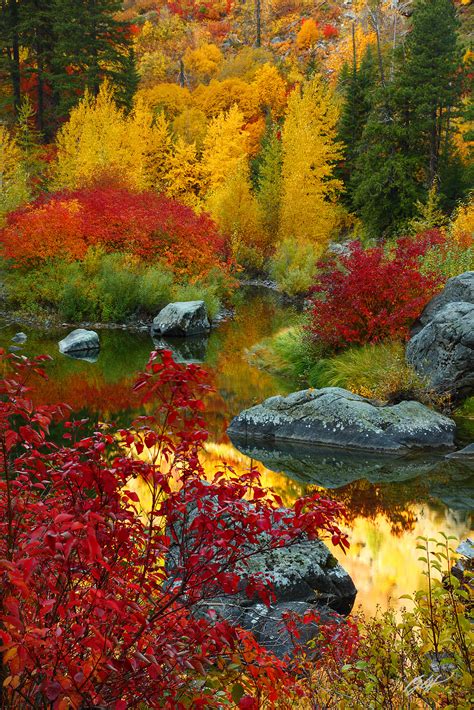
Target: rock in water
[
  {"x": 333, "y": 416},
  {"x": 458, "y": 288},
  {"x": 303, "y": 576},
  {"x": 79, "y": 341},
  {"x": 20, "y": 338},
  {"x": 443, "y": 351},
  {"x": 182, "y": 319}
]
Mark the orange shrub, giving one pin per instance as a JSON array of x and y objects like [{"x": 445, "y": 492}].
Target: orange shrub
[{"x": 147, "y": 225}]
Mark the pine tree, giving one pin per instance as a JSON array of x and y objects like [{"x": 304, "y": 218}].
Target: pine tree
[
  {"x": 358, "y": 84},
  {"x": 428, "y": 84},
  {"x": 91, "y": 45}
]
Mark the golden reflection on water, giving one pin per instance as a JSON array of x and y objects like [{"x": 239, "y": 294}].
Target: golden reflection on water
[{"x": 382, "y": 559}]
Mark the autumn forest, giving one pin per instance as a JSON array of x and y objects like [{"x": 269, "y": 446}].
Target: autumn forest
[{"x": 173, "y": 154}]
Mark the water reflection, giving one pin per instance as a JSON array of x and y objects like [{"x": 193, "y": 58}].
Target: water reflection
[{"x": 389, "y": 501}]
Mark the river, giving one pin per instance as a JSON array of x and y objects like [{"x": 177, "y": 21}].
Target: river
[{"x": 390, "y": 502}]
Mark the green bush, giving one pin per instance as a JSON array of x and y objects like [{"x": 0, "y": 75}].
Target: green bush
[
  {"x": 449, "y": 262},
  {"x": 289, "y": 352},
  {"x": 378, "y": 371},
  {"x": 293, "y": 266},
  {"x": 108, "y": 288}
]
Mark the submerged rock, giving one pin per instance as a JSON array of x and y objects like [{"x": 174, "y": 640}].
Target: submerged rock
[
  {"x": 333, "y": 416},
  {"x": 79, "y": 341},
  {"x": 182, "y": 319},
  {"x": 443, "y": 351},
  {"x": 458, "y": 288}
]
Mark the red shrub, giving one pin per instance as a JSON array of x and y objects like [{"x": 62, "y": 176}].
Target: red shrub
[
  {"x": 330, "y": 32},
  {"x": 90, "y": 614},
  {"x": 369, "y": 295},
  {"x": 145, "y": 224}
]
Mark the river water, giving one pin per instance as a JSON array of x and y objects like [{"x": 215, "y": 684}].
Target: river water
[{"x": 390, "y": 502}]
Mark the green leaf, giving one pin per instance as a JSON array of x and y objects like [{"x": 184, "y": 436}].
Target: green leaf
[{"x": 238, "y": 691}]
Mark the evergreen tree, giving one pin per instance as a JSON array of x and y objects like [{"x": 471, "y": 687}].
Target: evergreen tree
[
  {"x": 428, "y": 83},
  {"x": 91, "y": 45},
  {"x": 406, "y": 145},
  {"x": 357, "y": 83}
]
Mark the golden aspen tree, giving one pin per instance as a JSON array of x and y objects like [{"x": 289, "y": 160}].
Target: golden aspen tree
[
  {"x": 183, "y": 174},
  {"x": 235, "y": 209},
  {"x": 13, "y": 175},
  {"x": 309, "y": 209},
  {"x": 100, "y": 142},
  {"x": 191, "y": 125},
  {"x": 224, "y": 148},
  {"x": 204, "y": 62},
  {"x": 270, "y": 90}
]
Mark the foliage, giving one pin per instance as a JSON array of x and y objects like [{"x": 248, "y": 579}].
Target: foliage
[
  {"x": 270, "y": 183},
  {"x": 308, "y": 34},
  {"x": 289, "y": 352},
  {"x": 147, "y": 225},
  {"x": 92, "y": 611},
  {"x": 101, "y": 143},
  {"x": 224, "y": 147},
  {"x": 448, "y": 259},
  {"x": 377, "y": 370},
  {"x": 430, "y": 215},
  {"x": 293, "y": 266},
  {"x": 366, "y": 296},
  {"x": 462, "y": 224},
  {"x": 419, "y": 658},
  {"x": 14, "y": 188},
  {"x": 236, "y": 211},
  {"x": 309, "y": 190},
  {"x": 204, "y": 62}
]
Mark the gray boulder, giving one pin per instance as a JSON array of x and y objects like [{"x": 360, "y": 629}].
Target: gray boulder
[
  {"x": 443, "y": 351},
  {"x": 19, "y": 338},
  {"x": 181, "y": 319},
  {"x": 458, "y": 288},
  {"x": 79, "y": 341},
  {"x": 303, "y": 575},
  {"x": 333, "y": 416}
]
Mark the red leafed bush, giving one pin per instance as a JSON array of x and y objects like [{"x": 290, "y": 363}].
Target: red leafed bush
[
  {"x": 369, "y": 295},
  {"x": 98, "y": 593},
  {"x": 145, "y": 224},
  {"x": 330, "y": 32}
]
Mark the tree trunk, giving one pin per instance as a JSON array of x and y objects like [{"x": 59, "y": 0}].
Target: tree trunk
[{"x": 258, "y": 20}]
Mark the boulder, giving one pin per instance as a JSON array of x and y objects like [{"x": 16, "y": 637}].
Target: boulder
[
  {"x": 181, "y": 319},
  {"x": 19, "y": 338},
  {"x": 333, "y": 416},
  {"x": 303, "y": 575},
  {"x": 443, "y": 351},
  {"x": 79, "y": 341},
  {"x": 458, "y": 288}
]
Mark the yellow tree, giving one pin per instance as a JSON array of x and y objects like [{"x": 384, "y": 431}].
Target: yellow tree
[
  {"x": 183, "y": 174},
  {"x": 204, "y": 62},
  {"x": 235, "y": 209},
  {"x": 224, "y": 148},
  {"x": 100, "y": 142},
  {"x": 13, "y": 175},
  {"x": 309, "y": 209}
]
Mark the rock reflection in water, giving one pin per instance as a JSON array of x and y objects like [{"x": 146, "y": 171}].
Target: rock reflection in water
[{"x": 185, "y": 350}]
